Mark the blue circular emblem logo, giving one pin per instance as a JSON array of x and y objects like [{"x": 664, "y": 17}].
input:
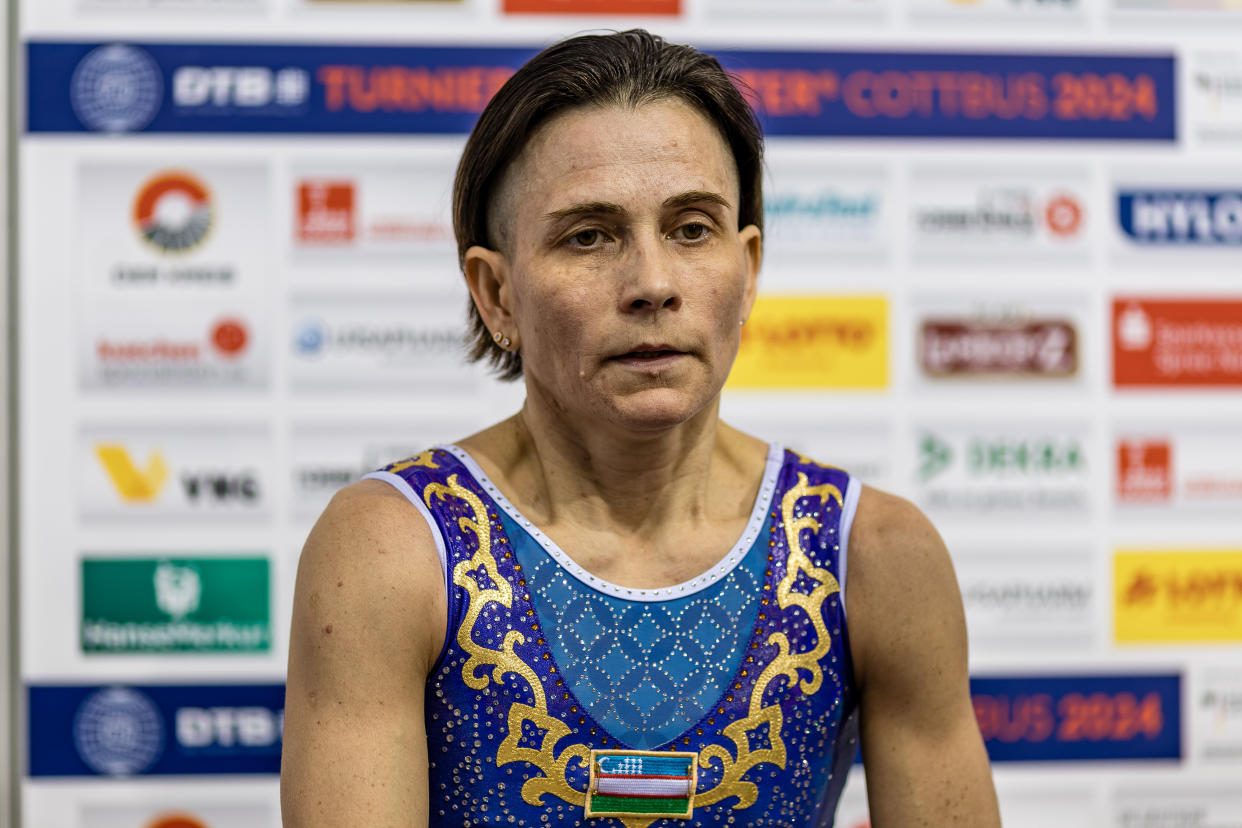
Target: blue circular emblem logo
[
  {"x": 116, "y": 88},
  {"x": 118, "y": 731},
  {"x": 310, "y": 337}
]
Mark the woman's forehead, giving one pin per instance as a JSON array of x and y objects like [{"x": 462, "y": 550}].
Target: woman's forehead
[{"x": 638, "y": 157}]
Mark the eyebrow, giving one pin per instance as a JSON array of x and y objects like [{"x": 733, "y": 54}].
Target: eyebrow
[{"x": 609, "y": 208}]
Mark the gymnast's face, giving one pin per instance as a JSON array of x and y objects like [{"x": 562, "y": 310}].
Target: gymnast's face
[{"x": 622, "y": 269}]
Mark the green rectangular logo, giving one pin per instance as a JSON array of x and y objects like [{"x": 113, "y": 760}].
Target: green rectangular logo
[{"x": 168, "y": 605}]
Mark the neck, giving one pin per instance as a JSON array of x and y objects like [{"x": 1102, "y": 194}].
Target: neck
[{"x": 623, "y": 481}]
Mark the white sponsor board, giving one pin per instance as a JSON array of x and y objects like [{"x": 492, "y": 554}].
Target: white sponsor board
[
  {"x": 155, "y": 343},
  {"x": 174, "y": 5},
  {"x": 328, "y": 457},
  {"x": 999, "y": 11},
  {"x": 152, "y": 229},
  {"x": 798, "y": 9},
  {"x": 1216, "y": 715},
  {"x": 1033, "y": 807},
  {"x": 398, "y": 213},
  {"x": 961, "y": 212},
  {"x": 187, "y": 472},
  {"x": 864, "y": 449},
  {"x": 813, "y": 209},
  {"x": 1178, "y": 808},
  {"x": 1030, "y": 597},
  {"x": 976, "y": 340},
  {"x": 1178, "y": 467},
  {"x": 196, "y": 811},
  {"x": 1214, "y": 99},
  {"x": 1010, "y": 471},
  {"x": 400, "y": 344}
]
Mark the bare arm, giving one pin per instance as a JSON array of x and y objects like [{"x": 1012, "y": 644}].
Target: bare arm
[
  {"x": 368, "y": 623},
  {"x": 924, "y": 758}
]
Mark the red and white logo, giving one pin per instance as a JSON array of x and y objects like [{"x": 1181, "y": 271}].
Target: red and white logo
[
  {"x": 1144, "y": 470},
  {"x": 229, "y": 337},
  {"x": 173, "y": 211},
  {"x": 1063, "y": 215},
  {"x": 326, "y": 211},
  {"x": 1177, "y": 342}
]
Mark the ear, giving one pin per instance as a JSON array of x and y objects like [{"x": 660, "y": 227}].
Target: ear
[
  {"x": 752, "y": 249},
  {"x": 487, "y": 277}
]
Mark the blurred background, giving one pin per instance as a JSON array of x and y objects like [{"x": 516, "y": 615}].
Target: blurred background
[{"x": 1003, "y": 278}]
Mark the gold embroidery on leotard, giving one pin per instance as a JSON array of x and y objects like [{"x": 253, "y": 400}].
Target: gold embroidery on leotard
[
  {"x": 759, "y": 718},
  {"x": 786, "y": 663},
  {"x": 505, "y": 660},
  {"x": 423, "y": 460}
]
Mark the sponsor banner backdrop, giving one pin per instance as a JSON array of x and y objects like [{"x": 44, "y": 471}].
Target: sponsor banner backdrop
[
  {"x": 966, "y": 340},
  {"x": 1027, "y": 597},
  {"x": 1007, "y": 472},
  {"x": 812, "y": 210},
  {"x": 180, "y": 229},
  {"x": 120, "y": 730},
  {"x": 1079, "y": 718},
  {"x": 338, "y": 89},
  {"x": 197, "y": 813},
  {"x": 400, "y": 342},
  {"x": 1215, "y": 100},
  {"x": 814, "y": 342},
  {"x": 1195, "y": 468},
  {"x": 961, "y": 212},
  {"x": 1172, "y": 342},
  {"x": 1183, "y": 596},
  {"x": 395, "y": 214},
  {"x": 1216, "y": 715},
  {"x": 202, "y": 473},
  {"x": 1174, "y": 807},
  {"x": 159, "y": 605},
  {"x": 1002, "y": 249}
]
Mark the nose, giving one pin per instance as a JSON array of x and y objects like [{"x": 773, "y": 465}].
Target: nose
[{"x": 651, "y": 281}]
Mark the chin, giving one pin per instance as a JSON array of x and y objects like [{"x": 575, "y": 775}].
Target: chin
[{"x": 657, "y": 409}]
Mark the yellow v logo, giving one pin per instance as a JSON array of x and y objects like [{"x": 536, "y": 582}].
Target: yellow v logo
[{"x": 133, "y": 485}]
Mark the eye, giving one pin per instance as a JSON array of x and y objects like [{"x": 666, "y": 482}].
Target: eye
[
  {"x": 693, "y": 231},
  {"x": 586, "y": 238}
]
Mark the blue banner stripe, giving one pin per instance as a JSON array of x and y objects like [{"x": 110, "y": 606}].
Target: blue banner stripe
[
  {"x": 332, "y": 89},
  {"x": 155, "y": 729}
]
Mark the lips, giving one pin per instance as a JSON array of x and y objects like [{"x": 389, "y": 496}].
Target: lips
[{"x": 650, "y": 352}]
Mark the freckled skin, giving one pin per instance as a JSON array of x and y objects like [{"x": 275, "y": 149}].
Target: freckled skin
[{"x": 581, "y": 290}]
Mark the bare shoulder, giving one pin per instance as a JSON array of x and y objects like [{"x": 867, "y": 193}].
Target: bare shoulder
[
  {"x": 900, "y": 580},
  {"x": 371, "y": 564},
  {"x": 368, "y": 622}
]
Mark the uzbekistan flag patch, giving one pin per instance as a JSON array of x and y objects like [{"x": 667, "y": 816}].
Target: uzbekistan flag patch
[{"x": 641, "y": 783}]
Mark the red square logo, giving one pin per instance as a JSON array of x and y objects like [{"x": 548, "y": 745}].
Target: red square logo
[
  {"x": 1144, "y": 470},
  {"x": 325, "y": 212}
]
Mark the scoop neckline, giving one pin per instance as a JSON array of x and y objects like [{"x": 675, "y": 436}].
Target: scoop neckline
[{"x": 700, "y": 582}]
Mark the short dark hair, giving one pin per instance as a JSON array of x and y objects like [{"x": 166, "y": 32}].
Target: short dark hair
[{"x": 628, "y": 68}]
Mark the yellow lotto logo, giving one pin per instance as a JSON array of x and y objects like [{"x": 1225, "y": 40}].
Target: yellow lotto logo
[
  {"x": 814, "y": 342},
  {"x": 1181, "y": 597},
  {"x": 132, "y": 483}
]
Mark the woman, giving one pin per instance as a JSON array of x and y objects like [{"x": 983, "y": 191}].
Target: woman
[{"x": 612, "y": 606}]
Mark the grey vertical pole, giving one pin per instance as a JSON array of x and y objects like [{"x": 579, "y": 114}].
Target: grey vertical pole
[{"x": 8, "y": 549}]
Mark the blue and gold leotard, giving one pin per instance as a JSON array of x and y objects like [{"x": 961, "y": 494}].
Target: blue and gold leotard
[{"x": 561, "y": 699}]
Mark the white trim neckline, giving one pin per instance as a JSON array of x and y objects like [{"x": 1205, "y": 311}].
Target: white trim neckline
[{"x": 758, "y": 513}]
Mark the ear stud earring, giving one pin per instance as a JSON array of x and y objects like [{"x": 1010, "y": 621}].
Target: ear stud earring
[{"x": 502, "y": 340}]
